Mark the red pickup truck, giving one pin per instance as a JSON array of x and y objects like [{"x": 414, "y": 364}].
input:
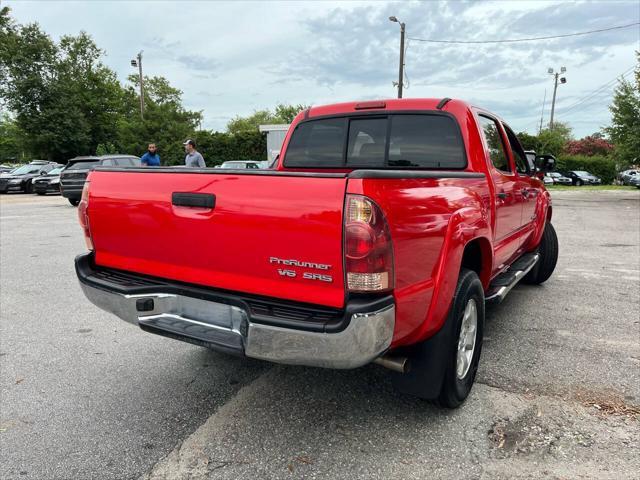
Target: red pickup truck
[{"x": 381, "y": 233}]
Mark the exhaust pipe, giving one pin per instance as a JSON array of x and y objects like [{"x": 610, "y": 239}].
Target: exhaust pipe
[{"x": 397, "y": 364}]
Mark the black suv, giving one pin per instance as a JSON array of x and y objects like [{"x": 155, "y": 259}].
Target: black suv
[
  {"x": 19, "y": 180},
  {"x": 75, "y": 173}
]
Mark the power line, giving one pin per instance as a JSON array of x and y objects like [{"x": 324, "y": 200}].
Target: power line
[
  {"x": 592, "y": 94},
  {"x": 596, "y": 91},
  {"x": 524, "y": 39},
  {"x": 405, "y": 65}
]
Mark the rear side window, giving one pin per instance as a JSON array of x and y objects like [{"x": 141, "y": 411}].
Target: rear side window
[
  {"x": 390, "y": 141},
  {"x": 494, "y": 143},
  {"x": 317, "y": 144},
  {"x": 425, "y": 141}
]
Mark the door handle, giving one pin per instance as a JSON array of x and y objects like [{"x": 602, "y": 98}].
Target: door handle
[{"x": 187, "y": 199}]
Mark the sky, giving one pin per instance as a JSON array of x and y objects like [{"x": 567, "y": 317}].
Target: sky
[{"x": 232, "y": 58}]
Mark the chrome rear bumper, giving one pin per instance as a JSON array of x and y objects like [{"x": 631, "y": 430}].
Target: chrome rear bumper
[{"x": 229, "y": 328}]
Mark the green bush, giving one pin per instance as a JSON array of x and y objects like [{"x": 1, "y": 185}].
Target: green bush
[
  {"x": 218, "y": 147},
  {"x": 600, "y": 166}
]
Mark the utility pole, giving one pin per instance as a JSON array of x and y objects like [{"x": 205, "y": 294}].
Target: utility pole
[
  {"x": 555, "y": 88},
  {"x": 401, "y": 68},
  {"x": 544, "y": 100},
  {"x": 137, "y": 62}
]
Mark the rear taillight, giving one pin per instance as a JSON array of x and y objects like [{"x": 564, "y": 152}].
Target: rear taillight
[
  {"x": 83, "y": 215},
  {"x": 367, "y": 247}
]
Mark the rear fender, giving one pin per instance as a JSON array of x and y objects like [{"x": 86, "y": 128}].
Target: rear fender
[
  {"x": 543, "y": 215},
  {"x": 465, "y": 225}
]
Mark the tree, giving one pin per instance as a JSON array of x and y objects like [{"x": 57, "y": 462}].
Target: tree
[
  {"x": 624, "y": 131},
  {"x": 553, "y": 141},
  {"x": 166, "y": 122},
  {"x": 589, "y": 146},
  {"x": 11, "y": 141},
  {"x": 529, "y": 142},
  {"x": 64, "y": 99},
  {"x": 283, "y": 114}
]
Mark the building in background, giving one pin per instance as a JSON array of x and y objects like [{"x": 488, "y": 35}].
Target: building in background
[{"x": 275, "y": 137}]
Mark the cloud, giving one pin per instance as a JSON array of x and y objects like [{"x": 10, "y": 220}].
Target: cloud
[
  {"x": 198, "y": 63},
  {"x": 360, "y": 46}
]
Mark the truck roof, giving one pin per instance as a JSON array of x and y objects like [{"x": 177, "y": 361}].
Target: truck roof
[{"x": 384, "y": 104}]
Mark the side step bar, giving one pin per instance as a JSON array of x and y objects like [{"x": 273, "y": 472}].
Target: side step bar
[{"x": 503, "y": 283}]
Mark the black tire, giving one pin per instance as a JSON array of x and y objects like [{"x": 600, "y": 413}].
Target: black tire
[
  {"x": 40, "y": 193},
  {"x": 74, "y": 201},
  {"x": 28, "y": 187},
  {"x": 548, "y": 250},
  {"x": 432, "y": 375},
  {"x": 456, "y": 390},
  {"x": 579, "y": 183}
]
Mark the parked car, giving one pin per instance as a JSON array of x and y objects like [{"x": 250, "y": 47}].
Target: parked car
[
  {"x": 580, "y": 177},
  {"x": 241, "y": 164},
  {"x": 379, "y": 237},
  {"x": 6, "y": 169},
  {"x": 19, "y": 180},
  {"x": 559, "y": 179},
  {"x": 72, "y": 178},
  {"x": 547, "y": 180},
  {"x": 49, "y": 183},
  {"x": 626, "y": 176},
  {"x": 634, "y": 181}
]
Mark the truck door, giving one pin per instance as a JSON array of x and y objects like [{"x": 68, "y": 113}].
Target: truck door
[
  {"x": 507, "y": 220},
  {"x": 527, "y": 185}
]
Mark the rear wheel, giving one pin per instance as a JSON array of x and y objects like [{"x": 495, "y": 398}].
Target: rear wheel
[
  {"x": 40, "y": 193},
  {"x": 548, "y": 251},
  {"x": 467, "y": 315},
  {"x": 74, "y": 201},
  {"x": 579, "y": 183},
  {"x": 28, "y": 187},
  {"x": 443, "y": 367}
]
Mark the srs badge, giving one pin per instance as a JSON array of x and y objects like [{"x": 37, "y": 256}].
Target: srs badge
[{"x": 306, "y": 275}]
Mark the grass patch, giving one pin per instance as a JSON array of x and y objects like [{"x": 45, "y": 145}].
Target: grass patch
[{"x": 591, "y": 187}]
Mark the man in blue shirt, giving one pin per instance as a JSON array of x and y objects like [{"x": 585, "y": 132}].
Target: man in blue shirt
[{"x": 151, "y": 157}]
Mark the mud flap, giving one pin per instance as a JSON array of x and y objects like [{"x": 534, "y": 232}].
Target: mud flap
[{"x": 428, "y": 363}]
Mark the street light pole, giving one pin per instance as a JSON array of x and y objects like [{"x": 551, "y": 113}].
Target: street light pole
[
  {"x": 141, "y": 85},
  {"x": 555, "y": 88},
  {"x": 137, "y": 62},
  {"x": 401, "y": 67}
]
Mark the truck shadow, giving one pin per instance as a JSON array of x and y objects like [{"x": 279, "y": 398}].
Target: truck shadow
[{"x": 311, "y": 420}]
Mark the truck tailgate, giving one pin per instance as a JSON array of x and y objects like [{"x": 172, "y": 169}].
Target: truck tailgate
[{"x": 267, "y": 234}]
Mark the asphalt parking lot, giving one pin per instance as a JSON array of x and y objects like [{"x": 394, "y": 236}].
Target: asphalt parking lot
[{"x": 84, "y": 395}]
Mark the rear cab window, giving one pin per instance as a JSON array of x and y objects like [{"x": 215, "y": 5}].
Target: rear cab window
[{"x": 421, "y": 140}]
